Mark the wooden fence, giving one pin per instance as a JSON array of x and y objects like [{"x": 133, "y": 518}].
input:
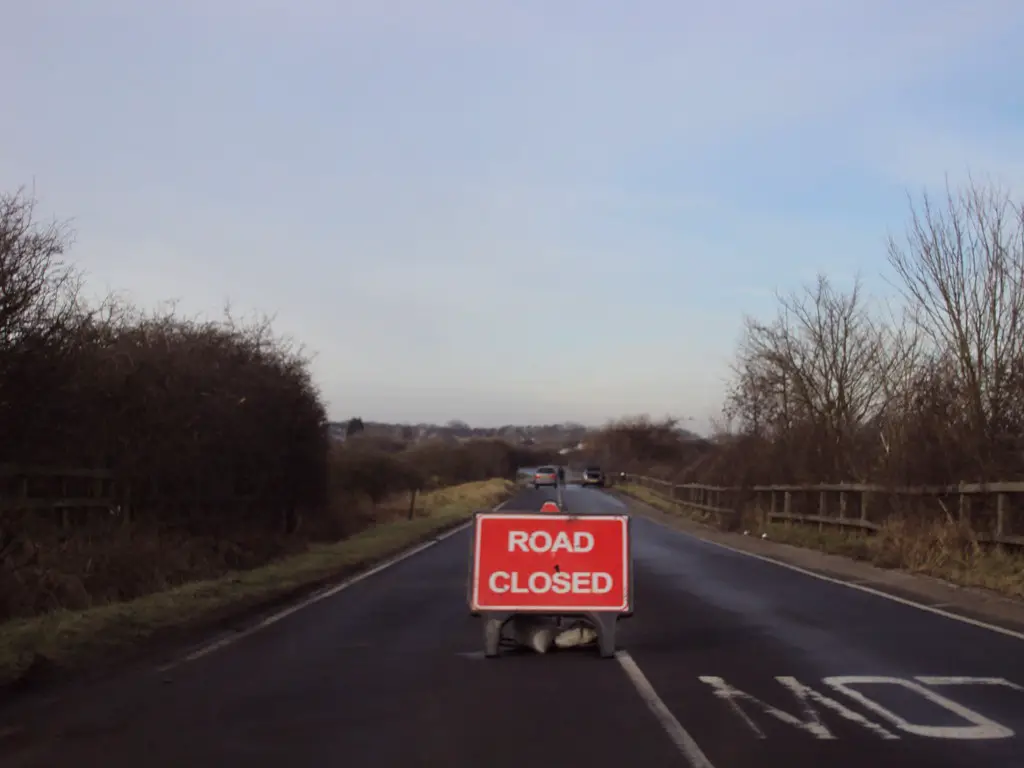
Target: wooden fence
[
  {"x": 70, "y": 494},
  {"x": 62, "y": 492},
  {"x": 994, "y": 511}
]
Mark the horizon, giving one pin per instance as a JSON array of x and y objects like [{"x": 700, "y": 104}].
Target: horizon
[
  {"x": 519, "y": 214},
  {"x": 564, "y": 424}
]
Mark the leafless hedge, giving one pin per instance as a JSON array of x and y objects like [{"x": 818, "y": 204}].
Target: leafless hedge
[
  {"x": 214, "y": 431},
  {"x": 206, "y": 425},
  {"x": 835, "y": 388},
  {"x": 193, "y": 417}
]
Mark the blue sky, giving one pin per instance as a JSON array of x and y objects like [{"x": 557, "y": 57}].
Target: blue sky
[{"x": 501, "y": 211}]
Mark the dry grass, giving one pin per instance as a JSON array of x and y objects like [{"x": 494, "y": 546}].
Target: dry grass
[
  {"x": 939, "y": 549},
  {"x": 663, "y": 504},
  {"x": 936, "y": 548},
  {"x": 72, "y": 638}
]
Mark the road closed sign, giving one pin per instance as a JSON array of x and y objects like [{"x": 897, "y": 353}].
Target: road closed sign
[{"x": 547, "y": 562}]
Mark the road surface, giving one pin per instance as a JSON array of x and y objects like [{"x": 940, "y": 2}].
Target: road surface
[{"x": 730, "y": 662}]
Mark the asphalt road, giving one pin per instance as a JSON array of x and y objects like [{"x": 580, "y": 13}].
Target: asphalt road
[{"x": 729, "y": 661}]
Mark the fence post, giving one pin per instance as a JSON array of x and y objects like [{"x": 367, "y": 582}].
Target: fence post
[
  {"x": 412, "y": 504},
  {"x": 787, "y": 505},
  {"x": 65, "y": 517},
  {"x": 964, "y": 507},
  {"x": 865, "y": 502},
  {"x": 842, "y": 505},
  {"x": 822, "y": 508},
  {"x": 126, "y": 501},
  {"x": 1001, "y": 504}
]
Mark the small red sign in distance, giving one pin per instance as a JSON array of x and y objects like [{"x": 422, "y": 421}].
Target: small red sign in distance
[{"x": 556, "y": 563}]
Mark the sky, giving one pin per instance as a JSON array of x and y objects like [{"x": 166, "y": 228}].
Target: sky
[{"x": 496, "y": 211}]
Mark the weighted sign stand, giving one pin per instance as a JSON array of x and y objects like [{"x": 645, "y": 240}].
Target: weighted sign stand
[
  {"x": 494, "y": 622},
  {"x": 554, "y": 565}
]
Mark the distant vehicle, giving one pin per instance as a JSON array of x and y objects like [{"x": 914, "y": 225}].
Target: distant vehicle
[
  {"x": 545, "y": 476},
  {"x": 593, "y": 476}
]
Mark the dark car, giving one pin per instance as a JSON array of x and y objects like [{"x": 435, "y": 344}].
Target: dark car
[{"x": 593, "y": 476}]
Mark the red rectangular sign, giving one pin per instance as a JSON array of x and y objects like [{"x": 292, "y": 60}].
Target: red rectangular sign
[{"x": 539, "y": 562}]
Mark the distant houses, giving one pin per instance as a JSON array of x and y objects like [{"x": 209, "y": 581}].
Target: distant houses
[{"x": 457, "y": 431}]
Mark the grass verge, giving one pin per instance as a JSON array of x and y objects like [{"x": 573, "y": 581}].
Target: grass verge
[
  {"x": 662, "y": 504},
  {"x": 71, "y": 639},
  {"x": 940, "y": 549}
]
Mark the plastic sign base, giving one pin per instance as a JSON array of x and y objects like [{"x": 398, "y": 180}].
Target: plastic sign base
[{"x": 604, "y": 622}]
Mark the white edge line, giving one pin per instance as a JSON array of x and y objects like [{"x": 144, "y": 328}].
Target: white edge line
[
  {"x": 851, "y": 585},
  {"x": 216, "y": 645},
  {"x": 684, "y": 742}
]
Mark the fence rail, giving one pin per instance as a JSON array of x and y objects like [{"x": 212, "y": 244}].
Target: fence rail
[
  {"x": 993, "y": 511},
  {"x": 62, "y": 491},
  {"x": 75, "y": 495}
]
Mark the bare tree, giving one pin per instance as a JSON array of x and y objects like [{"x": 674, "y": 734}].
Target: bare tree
[
  {"x": 962, "y": 271},
  {"x": 38, "y": 289},
  {"x": 821, "y": 367}
]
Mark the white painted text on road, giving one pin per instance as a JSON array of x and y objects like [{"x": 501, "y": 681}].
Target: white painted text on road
[{"x": 810, "y": 702}]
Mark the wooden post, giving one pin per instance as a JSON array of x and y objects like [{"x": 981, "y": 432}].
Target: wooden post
[
  {"x": 842, "y": 505},
  {"x": 787, "y": 506},
  {"x": 865, "y": 502},
  {"x": 126, "y": 502},
  {"x": 65, "y": 521},
  {"x": 412, "y": 504},
  {"x": 822, "y": 508},
  {"x": 1001, "y": 505},
  {"x": 964, "y": 507}
]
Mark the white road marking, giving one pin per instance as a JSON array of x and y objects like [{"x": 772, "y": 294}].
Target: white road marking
[
  {"x": 679, "y": 735},
  {"x": 936, "y": 681},
  {"x": 811, "y": 723},
  {"x": 223, "y": 642},
  {"x": 852, "y": 585},
  {"x": 980, "y": 726}
]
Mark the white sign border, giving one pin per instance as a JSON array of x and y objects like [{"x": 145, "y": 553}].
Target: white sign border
[{"x": 626, "y": 570}]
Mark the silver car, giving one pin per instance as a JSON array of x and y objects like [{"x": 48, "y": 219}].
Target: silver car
[
  {"x": 545, "y": 476},
  {"x": 593, "y": 476}
]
